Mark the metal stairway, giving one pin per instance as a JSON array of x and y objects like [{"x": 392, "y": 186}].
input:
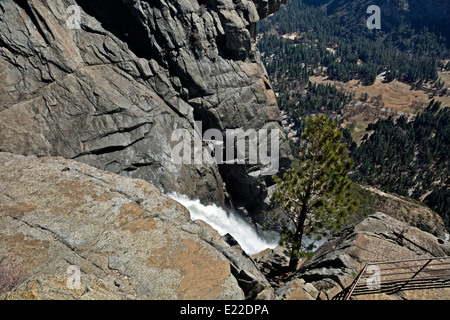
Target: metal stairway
[{"x": 393, "y": 276}]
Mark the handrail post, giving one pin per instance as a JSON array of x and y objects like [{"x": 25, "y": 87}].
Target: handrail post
[{"x": 355, "y": 283}]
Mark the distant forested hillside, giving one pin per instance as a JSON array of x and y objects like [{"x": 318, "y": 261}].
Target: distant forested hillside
[
  {"x": 410, "y": 158},
  {"x": 432, "y": 14},
  {"x": 330, "y": 38},
  {"x": 337, "y": 39}
]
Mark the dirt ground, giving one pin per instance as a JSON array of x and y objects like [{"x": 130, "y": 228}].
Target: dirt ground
[
  {"x": 396, "y": 95},
  {"x": 395, "y": 98}
]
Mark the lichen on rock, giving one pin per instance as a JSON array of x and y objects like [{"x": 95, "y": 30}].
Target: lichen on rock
[{"x": 127, "y": 239}]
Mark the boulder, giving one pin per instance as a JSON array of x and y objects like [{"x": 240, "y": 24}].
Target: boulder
[
  {"x": 125, "y": 239},
  {"x": 272, "y": 262}
]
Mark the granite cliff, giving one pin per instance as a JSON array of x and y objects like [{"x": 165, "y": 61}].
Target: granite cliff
[
  {"x": 107, "y": 82},
  {"x": 124, "y": 237},
  {"x": 90, "y": 94}
]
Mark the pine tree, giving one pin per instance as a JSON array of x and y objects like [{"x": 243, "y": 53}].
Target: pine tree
[{"x": 317, "y": 196}]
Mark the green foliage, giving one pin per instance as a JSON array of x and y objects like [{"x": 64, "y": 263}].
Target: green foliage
[
  {"x": 339, "y": 45},
  {"x": 326, "y": 98},
  {"x": 331, "y": 39},
  {"x": 410, "y": 158},
  {"x": 368, "y": 203},
  {"x": 316, "y": 196}
]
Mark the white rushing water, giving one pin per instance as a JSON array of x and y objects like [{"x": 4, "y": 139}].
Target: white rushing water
[{"x": 227, "y": 222}]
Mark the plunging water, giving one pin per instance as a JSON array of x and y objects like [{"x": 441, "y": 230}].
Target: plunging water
[{"x": 227, "y": 222}]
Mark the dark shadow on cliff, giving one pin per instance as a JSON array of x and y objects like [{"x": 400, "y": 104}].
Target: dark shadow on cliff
[{"x": 117, "y": 18}]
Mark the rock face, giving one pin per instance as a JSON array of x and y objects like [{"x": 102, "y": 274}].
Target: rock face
[
  {"x": 406, "y": 210},
  {"x": 376, "y": 238},
  {"x": 127, "y": 240},
  {"x": 107, "y": 82}
]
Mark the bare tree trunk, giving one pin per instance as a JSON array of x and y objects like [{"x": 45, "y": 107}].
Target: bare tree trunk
[{"x": 297, "y": 242}]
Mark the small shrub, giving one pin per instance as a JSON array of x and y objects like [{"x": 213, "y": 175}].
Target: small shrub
[
  {"x": 194, "y": 37},
  {"x": 12, "y": 273},
  {"x": 198, "y": 40},
  {"x": 203, "y": 8}
]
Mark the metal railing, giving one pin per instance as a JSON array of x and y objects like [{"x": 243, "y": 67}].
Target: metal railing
[{"x": 393, "y": 276}]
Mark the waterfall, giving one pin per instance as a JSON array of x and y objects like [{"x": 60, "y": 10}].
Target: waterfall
[{"x": 227, "y": 222}]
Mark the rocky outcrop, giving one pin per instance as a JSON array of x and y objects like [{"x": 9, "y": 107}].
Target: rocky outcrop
[
  {"x": 376, "y": 238},
  {"x": 109, "y": 89},
  {"x": 404, "y": 209},
  {"x": 271, "y": 260},
  {"x": 126, "y": 239}
]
